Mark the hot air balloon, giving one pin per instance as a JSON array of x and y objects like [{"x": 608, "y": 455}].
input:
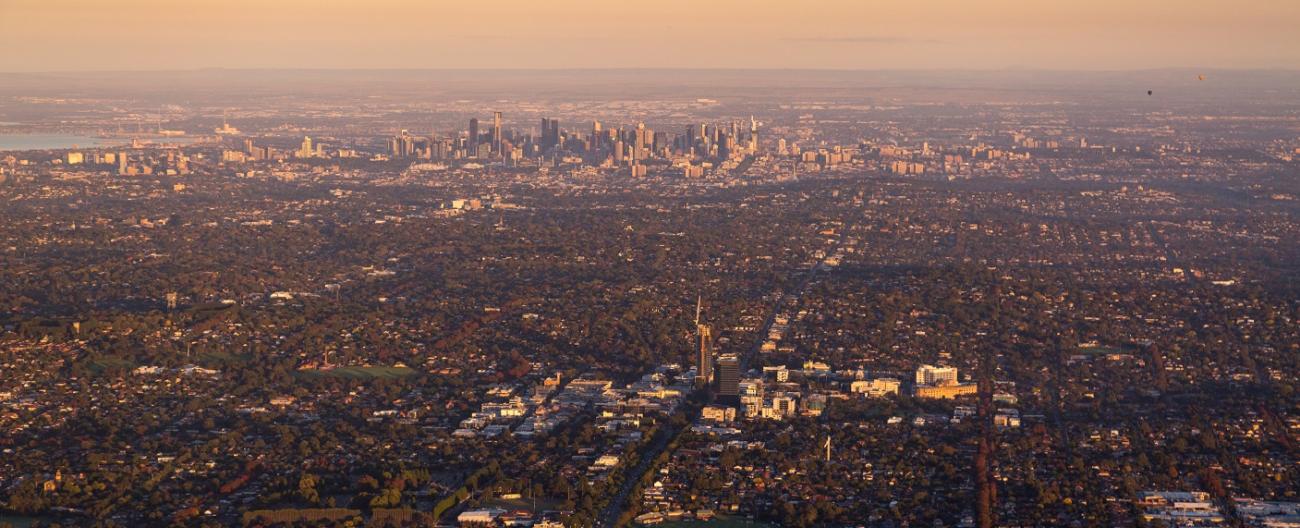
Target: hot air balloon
[
  {"x": 1200, "y": 77},
  {"x": 1149, "y": 92}
]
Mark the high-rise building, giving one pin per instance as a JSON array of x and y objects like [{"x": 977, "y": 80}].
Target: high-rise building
[
  {"x": 930, "y": 375},
  {"x": 753, "y": 135},
  {"x": 704, "y": 359},
  {"x": 496, "y": 133},
  {"x": 550, "y": 134},
  {"x": 473, "y": 136},
  {"x": 726, "y": 147},
  {"x": 306, "y": 151},
  {"x": 439, "y": 148},
  {"x": 638, "y": 143},
  {"x": 729, "y": 376},
  {"x": 402, "y": 145}
]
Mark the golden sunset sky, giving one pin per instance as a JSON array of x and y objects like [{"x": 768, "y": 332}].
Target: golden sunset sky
[{"x": 49, "y": 35}]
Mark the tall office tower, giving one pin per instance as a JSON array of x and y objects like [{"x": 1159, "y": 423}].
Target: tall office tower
[
  {"x": 550, "y": 134},
  {"x": 735, "y": 131},
  {"x": 753, "y": 135},
  {"x": 618, "y": 152},
  {"x": 306, "y": 151},
  {"x": 638, "y": 142},
  {"x": 729, "y": 376},
  {"x": 496, "y": 133},
  {"x": 402, "y": 145},
  {"x": 121, "y": 163},
  {"x": 437, "y": 149},
  {"x": 406, "y": 144},
  {"x": 659, "y": 142},
  {"x": 473, "y": 137},
  {"x": 704, "y": 359},
  {"x": 597, "y": 140}
]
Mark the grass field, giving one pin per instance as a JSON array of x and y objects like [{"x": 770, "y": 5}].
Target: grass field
[
  {"x": 362, "y": 373},
  {"x": 522, "y": 504}
]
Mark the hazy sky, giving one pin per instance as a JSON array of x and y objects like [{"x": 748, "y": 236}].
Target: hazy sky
[{"x": 39, "y": 35}]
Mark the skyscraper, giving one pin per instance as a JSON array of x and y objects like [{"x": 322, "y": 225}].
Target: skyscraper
[
  {"x": 729, "y": 376},
  {"x": 402, "y": 145},
  {"x": 638, "y": 143},
  {"x": 545, "y": 142},
  {"x": 473, "y": 136},
  {"x": 496, "y": 133},
  {"x": 597, "y": 142},
  {"x": 704, "y": 360},
  {"x": 753, "y": 135},
  {"x": 305, "y": 151}
]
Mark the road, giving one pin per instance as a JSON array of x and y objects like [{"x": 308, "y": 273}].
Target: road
[{"x": 619, "y": 503}]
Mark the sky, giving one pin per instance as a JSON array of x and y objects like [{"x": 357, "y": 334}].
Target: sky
[{"x": 74, "y": 35}]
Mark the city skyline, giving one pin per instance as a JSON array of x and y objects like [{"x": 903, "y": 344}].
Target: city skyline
[
  {"x": 827, "y": 34},
  {"x": 665, "y": 264}
]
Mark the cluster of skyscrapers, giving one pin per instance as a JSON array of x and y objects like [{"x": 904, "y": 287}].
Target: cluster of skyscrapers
[{"x": 632, "y": 146}]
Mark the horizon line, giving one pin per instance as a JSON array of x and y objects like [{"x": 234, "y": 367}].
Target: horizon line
[{"x": 654, "y": 69}]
